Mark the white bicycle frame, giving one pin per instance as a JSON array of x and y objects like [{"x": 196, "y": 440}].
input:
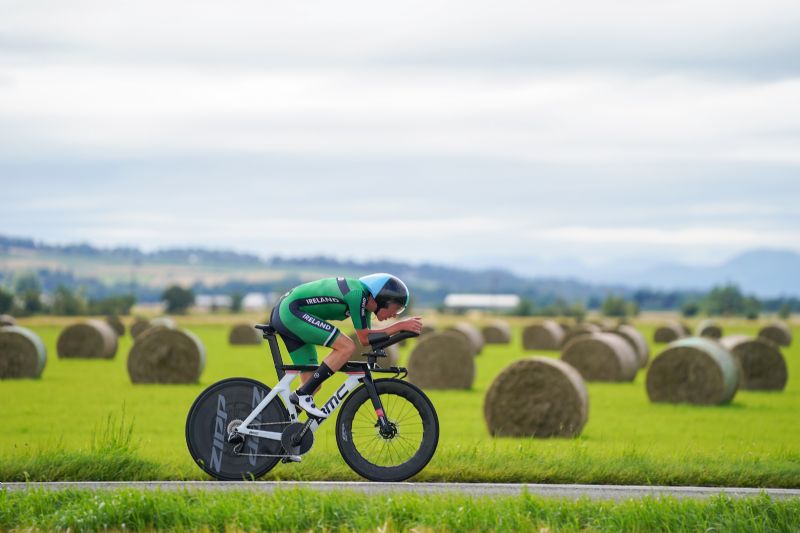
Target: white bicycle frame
[{"x": 283, "y": 390}]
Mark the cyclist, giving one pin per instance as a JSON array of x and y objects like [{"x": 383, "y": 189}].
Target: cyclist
[{"x": 301, "y": 318}]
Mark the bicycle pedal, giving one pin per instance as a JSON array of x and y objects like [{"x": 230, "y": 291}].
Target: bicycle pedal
[{"x": 291, "y": 459}]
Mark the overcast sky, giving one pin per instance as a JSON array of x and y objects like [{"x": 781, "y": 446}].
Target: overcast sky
[{"x": 450, "y": 132}]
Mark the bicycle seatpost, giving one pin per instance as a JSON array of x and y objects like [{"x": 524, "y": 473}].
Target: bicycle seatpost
[
  {"x": 272, "y": 341},
  {"x": 276, "y": 355}
]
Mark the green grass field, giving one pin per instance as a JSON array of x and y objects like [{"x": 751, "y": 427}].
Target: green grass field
[
  {"x": 57, "y": 427},
  {"x": 299, "y": 510}
]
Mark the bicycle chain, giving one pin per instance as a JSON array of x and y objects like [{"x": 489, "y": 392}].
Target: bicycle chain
[
  {"x": 260, "y": 454},
  {"x": 264, "y": 454},
  {"x": 268, "y": 423}
]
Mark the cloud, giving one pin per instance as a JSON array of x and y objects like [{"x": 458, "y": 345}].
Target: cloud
[
  {"x": 710, "y": 209},
  {"x": 744, "y": 39},
  {"x": 553, "y": 118},
  {"x": 428, "y": 130}
]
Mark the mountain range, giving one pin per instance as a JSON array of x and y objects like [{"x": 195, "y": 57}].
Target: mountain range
[
  {"x": 764, "y": 272},
  {"x": 767, "y": 273}
]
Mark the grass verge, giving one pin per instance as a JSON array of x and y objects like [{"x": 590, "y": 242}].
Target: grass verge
[
  {"x": 111, "y": 455},
  {"x": 303, "y": 510}
]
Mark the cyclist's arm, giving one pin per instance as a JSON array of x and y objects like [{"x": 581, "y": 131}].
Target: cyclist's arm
[
  {"x": 357, "y": 304},
  {"x": 409, "y": 324}
]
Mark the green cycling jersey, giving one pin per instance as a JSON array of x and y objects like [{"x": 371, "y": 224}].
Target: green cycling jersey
[{"x": 301, "y": 315}]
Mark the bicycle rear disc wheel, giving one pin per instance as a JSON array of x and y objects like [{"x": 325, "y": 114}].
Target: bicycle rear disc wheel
[
  {"x": 211, "y": 417},
  {"x": 395, "y": 456}
]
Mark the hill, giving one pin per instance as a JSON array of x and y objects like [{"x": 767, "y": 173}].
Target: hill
[{"x": 107, "y": 271}]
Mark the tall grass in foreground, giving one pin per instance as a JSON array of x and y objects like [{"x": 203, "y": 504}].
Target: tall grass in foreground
[
  {"x": 303, "y": 510},
  {"x": 111, "y": 455}
]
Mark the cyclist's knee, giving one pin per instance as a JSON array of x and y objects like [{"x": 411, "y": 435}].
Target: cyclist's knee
[{"x": 344, "y": 344}]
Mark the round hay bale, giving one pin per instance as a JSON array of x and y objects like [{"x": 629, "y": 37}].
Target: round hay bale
[
  {"x": 7, "y": 320},
  {"x": 116, "y": 324},
  {"x": 167, "y": 356},
  {"x": 777, "y": 332},
  {"x": 392, "y": 353},
  {"x": 710, "y": 329},
  {"x": 442, "y": 360},
  {"x": 496, "y": 332},
  {"x": 91, "y": 339},
  {"x": 22, "y": 353},
  {"x": 602, "y": 357},
  {"x": 545, "y": 336},
  {"x": 139, "y": 325},
  {"x": 427, "y": 329},
  {"x": 553, "y": 395},
  {"x": 472, "y": 334},
  {"x": 695, "y": 370},
  {"x": 761, "y": 364},
  {"x": 669, "y": 332},
  {"x": 637, "y": 342},
  {"x": 580, "y": 330},
  {"x": 242, "y": 334}
]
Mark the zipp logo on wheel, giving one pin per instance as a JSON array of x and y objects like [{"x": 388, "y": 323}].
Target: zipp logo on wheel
[
  {"x": 219, "y": 435},
  {"x": 252, "y": 442}
]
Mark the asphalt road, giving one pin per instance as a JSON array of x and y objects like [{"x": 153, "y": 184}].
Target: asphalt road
[{"x": 595, "y": 492}]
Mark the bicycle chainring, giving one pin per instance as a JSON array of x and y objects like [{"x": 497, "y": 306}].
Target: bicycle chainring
[{"x": 289, "y": 434}]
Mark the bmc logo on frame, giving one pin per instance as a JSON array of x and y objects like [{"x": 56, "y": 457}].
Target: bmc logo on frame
[{"x": 335, "y": 400}]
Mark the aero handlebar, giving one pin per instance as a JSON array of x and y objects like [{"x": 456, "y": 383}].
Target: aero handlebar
[{"x": 379, "y": 341}]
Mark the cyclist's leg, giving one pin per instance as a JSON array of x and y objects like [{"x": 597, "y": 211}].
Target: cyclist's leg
[
  {"x": 303, "y": 396},
  {"x": 305, "y": 355},
  {"x": 343, "y": 349},
  {"x": 312, "y": 331},
  {"x": 300, "y": 351}
]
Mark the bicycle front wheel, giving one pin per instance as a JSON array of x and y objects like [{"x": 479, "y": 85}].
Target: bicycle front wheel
[
  {"x": 395, "y": 455},
  {"x": 216, "y": 412}
]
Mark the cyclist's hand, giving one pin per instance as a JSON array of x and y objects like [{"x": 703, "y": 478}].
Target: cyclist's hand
[{"x": 413, "y": 324}]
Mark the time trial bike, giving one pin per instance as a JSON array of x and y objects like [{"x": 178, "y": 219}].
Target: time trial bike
[{"x": 387, "y": 429}]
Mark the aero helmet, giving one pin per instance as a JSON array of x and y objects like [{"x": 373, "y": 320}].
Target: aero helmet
[{"x": 386, "y": 289}]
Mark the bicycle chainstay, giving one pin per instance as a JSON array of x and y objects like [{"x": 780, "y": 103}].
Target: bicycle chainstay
[{"x": 284, "y": 456}]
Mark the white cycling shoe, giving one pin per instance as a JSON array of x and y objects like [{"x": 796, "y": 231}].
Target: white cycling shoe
[{"x": 306, "y": 403}]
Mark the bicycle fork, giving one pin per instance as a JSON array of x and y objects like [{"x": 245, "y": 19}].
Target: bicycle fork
[{"x": 386, "y": 428}]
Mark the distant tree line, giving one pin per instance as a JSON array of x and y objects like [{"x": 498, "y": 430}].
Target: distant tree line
[
  {"x": 725, "y": 300},
  {"x": 61, "y": 293},
  {"x": 26, "y": 297}
]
